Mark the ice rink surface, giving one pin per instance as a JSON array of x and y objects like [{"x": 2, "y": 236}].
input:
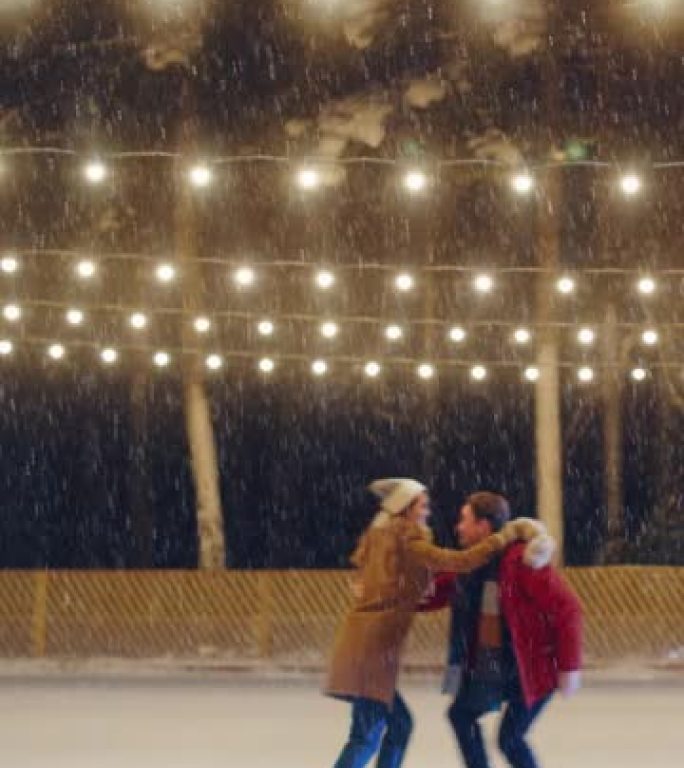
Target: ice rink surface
[{"x": 226, "y": 721}]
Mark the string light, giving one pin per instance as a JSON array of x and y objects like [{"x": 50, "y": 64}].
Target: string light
[
  {"x": 565, "y": 285},
  {"x": 457, "y": 334},
  {"x": 649, "y": 337},
  {"x": 95, "y": 172},
  {"x": 138, "y": 321},
  {"x": 522, "y": 336},
  {"x": 415, "y": 181},
  {"x": 9, "y": 264},
  {"x": 109, "y": 356},
  {"x": 522, "y": 183},
  {"x": 319, "y": 367},
  {"x": 12, "y": 313},
  {"x": 200, "y": 176},
  {"x": 394, "y": 333},
  {"x": 202, "y": 324},
  {"x": 74, "y": 317},
  {"x": 630, "y": 184},
  {"x": 214, "y": 362},
  {"x": 646, "y": 285},
  {"x": 6, "y": 347},
  {"x": 426, "y": 371},
  {"x": 478, "y": 372},
  {"x": 245, "y": 277},
  {"x": 585, "y": 375},
  {"x": 56, "y": 351},
  {"x": 586, "y": 336},
  {"x": 372, "y": 369},
  {"x": 161, "y": 359},
  {"x": 308, "y": 178},
  {"x": 86, "y": 269},
  {"x": 404, "y": 282},
  {"x": 532, "y": 373},
  {"x": 483, "y": 283},
  {"x": 329, "y": 330},
  {"x": 266, "y": 328},
  {"x": 166, "y": 273},
  {"x": 638, "y": 374},
  {"x": 266, "y": 365},
  {"x": 325, "y": 280}
]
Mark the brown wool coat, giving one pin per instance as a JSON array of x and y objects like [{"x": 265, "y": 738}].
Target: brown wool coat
[{"x": 395, "y": 558}]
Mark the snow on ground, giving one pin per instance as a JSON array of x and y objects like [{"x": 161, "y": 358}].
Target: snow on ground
[{"x": 231, "y": 721}]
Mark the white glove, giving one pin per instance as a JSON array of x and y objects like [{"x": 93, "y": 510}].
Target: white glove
[{"x": 569, "y": 682}]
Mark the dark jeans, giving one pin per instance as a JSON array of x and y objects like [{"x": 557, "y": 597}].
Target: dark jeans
[
  {"x": 377, "y": 727},
  {"x": 514, "y": 726}
]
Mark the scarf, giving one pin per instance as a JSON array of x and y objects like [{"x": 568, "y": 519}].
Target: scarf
[{"x": 475, "y": 663}]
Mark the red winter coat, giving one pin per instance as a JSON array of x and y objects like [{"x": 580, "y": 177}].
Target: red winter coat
[{"x": 543, "y": 616}]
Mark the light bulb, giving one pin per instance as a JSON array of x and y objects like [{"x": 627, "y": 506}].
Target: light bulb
[
  {"x": 266, "y": 328},
  {"x": 532, "y": 373},
  {"x": 12, "y": 312},
  {"x": 9, "y": 264},
  {"x": 565, "y": 285},
  {"x": 372, "y": 369},
  {"x": 650, "y": 337},
  {"x": 394, "y": 332},
  {"x": 404, "y": 282},
  {"x": 74, "y": 317},
  {"x": 426, "y": 371},
  {"x": 202, "y": 324},
  {"x": 646, "y": 285},
  {"x": 415, "y": 181},
  {"x": 325, "y": 279},
  {"x": 522, "y": 336},
  {"x": 245, "y": 277},
  {"x": 586, "y": 336},
  {"x": 585, "y": 374},
  {"x": 6, "y": 347},
  {"x": 56, "y": 351},
  {"x": 266, "y": 365},
  {"x": 638, "y": 374},
  {"x": 214, "y": 362},
  {"x": 95, "y": 172},
  {"x": 308, "y": 178},
  {"x": 478, "y": 372},
  {"x": 483, "y": 283},
  {"x": 200, "y": 176},
  {"x": 86, "y": 269},
  {"x": 166, "y": 273},
  {"x": 319, "y": 367},
  {"x": 630, "y": 184},
  {"x": 457, "y": 334},
  {"x": 329, "y": 330},
  {"x": 161, "y": 359},
  {"x": 109, "y": 356},
  {"x": 138, "y": 321},
  {"x": 522, "y": 183}
]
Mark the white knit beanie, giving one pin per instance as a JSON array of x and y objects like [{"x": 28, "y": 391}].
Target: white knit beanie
[{"x": 396, "y": 493}]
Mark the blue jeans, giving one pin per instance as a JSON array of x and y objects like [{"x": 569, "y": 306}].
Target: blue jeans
[
  {"x": 515, "y": 724},
  {"x": 376, "y": 726}
]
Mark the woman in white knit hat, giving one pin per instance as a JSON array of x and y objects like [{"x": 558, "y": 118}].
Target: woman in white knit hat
[{"x": 395, "y": 557}]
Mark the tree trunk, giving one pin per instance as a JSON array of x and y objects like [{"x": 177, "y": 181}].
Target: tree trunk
[
  {"x": 611, "y": 387},
  {"x": 201, "y": 440}
]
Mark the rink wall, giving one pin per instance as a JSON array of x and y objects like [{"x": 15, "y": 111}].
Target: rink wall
[{"x": 289, "y": 617}]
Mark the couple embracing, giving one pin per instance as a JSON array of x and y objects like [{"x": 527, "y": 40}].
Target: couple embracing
[{"x": 515, "y": 634}]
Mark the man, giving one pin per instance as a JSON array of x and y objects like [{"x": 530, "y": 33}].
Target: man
[{"x": 515, "y": 638}]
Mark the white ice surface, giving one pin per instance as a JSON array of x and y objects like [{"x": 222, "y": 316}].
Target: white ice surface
[{"x": 229, "y": 722}]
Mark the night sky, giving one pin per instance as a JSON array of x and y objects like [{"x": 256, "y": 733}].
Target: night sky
[{"x": 91, "y": 478}]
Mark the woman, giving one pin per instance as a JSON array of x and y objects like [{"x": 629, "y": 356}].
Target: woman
[{"x": 395, "y": 558}]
